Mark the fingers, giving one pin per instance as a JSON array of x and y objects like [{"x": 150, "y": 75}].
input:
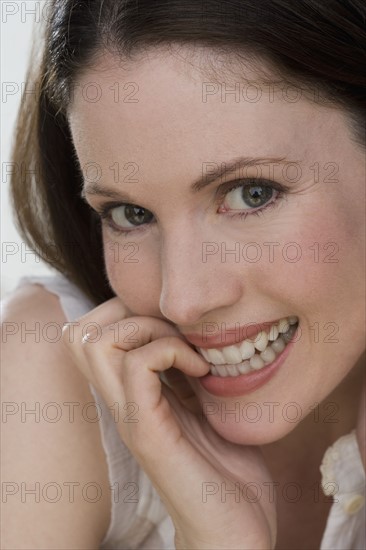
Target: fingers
[
  {"x": 161, "y": 354},
  {"x": 109, "y": 322},
  {"x": 109, "y": 312},
  {"x": 74, "y": 333},
  {"x": 141, "y": 331},
  {"x": 175, "y": 380},
  {"x": 105, "y": 314},
  {"x": 125, "y": 367},
  {"x": 135, "y": 372},
  {"x": 178, "y": 383},
  {"x": 125, "y": 370}
]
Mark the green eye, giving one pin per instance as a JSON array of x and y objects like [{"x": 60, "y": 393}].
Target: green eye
[
  {"x": 130, "y": 215},
  {"x": 248, "y": 196}
]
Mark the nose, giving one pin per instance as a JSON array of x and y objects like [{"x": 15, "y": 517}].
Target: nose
[{"x": 192, "y": 287}]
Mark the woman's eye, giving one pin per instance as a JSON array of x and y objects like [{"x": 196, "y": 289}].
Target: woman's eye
[
  {"x": 248, "y": 196},
  {"x": 130, "y": 216},
  {"x": 244, "y": 197}
]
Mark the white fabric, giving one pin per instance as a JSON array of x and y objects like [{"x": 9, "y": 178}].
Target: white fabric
[
  {"x": 343, "y": 471},
  {"x": 138, "y": 517}
]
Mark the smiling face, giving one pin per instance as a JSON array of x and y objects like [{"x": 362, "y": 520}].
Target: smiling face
[{"x": 263, "y": 242}]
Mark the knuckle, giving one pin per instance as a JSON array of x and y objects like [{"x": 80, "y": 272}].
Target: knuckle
[{"x": 172, "y": 342}]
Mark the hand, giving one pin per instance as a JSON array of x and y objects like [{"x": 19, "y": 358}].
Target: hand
[{"x": 178, "y": 449}]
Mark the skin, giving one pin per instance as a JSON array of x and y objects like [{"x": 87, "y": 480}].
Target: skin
[{"x": 169, "y": 133}]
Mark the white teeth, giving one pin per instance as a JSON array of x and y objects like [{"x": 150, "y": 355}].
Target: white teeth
[
  {"x": 232, "y": 355},
  {"x": 251, "y": 354},
  {"x": 256, "y": 362},
  {"x": 205, "y": 354},
  {"x": 221, "y": 370},
  {"x": 268, "y": 355},
  {"x": 247, "y": 350},
  {"x": 273, "y": 333},
  {"x": 279, "y": 345},
  {"x": 215, "y": 356},
  {"x": 232, "y": 370},
  {"x": 283, "y": 325},
  {"x": 244, "y": 368},
  {"x": 261, "y": 341}
]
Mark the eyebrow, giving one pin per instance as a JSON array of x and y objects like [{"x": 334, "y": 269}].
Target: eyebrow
[{"x": 226, "y": 167}]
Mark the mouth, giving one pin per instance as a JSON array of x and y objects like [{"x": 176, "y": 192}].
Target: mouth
[{"x": 252, "y": 354}]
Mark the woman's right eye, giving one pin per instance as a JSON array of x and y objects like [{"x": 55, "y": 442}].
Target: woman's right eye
[
  {"x": 130, "y": 215},
  {"x": 125, "y": 217}
]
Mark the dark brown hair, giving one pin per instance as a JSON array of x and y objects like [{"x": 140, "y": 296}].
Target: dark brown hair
[{"x": 310, "y": 43}]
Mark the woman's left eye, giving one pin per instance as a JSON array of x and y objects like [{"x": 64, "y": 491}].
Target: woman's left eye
[{"x": 250, "y": 196}]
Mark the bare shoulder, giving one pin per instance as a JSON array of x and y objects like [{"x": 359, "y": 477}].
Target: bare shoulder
[{"x": 55, "y": 476}]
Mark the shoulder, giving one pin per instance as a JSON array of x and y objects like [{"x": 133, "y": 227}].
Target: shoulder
[
  {"x": 18, "y": 301},
  {"x": 25, "y": 317},
  {"x": 48, "y": 439}
]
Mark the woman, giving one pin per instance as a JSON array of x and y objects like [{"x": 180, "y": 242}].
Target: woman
[{"x": 200, "y": 189}]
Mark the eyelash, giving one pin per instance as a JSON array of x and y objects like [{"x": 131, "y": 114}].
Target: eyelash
[{"x": 104, "y": 211}]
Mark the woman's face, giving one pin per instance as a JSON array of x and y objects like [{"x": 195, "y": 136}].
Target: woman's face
[{"x": 240, "y": 250}]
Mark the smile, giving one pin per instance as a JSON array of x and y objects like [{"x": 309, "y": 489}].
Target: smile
[{"x": 252, "y": 354}]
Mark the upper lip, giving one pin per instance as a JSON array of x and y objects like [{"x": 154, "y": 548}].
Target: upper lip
[{"x": 229, "y": 336}]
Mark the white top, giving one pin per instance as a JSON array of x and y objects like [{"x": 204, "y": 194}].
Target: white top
[{"x": 138, "y": 516}]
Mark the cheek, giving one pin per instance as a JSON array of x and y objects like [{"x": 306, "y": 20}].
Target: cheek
[
  {"x": 133, "y": 275},
  {"x": 318, "y": 270}
]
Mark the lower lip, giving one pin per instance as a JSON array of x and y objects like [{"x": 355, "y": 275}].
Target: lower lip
[{"x": 235, "y": 386}]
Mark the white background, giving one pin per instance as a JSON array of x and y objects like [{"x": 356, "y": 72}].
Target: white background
[{"x": 20, "y": 22}]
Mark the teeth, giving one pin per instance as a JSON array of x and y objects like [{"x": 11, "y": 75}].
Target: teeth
[
  {"x": 279, "y": 345},
  {"x": 289, "y": 333},
  {"x": 215, "y": 356},
  {"x": 261, "y": 341},
  {"x": 247, "y": 350},
  {"x": 232, "y": 355},
  {"x": 283, "y": 325},
  {"x": 273, "y": 333},
  {"x": 244, "y": 368},
  {"x": 251, "y": 354},
  {"x": 232, "y": 370},
  {"x": 214, "y": 370},
  {"x": 256, "y": 362},
  {"x": 221, "y": 370},
  {"x": 268, "y": 355},
  {"x": 205, "y": 354}
]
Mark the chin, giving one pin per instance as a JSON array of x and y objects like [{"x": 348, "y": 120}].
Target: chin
[{"x": 243, "y": 432}]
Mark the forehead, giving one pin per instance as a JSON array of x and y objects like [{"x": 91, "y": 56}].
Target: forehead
[{"x": 168, "y": 106}]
